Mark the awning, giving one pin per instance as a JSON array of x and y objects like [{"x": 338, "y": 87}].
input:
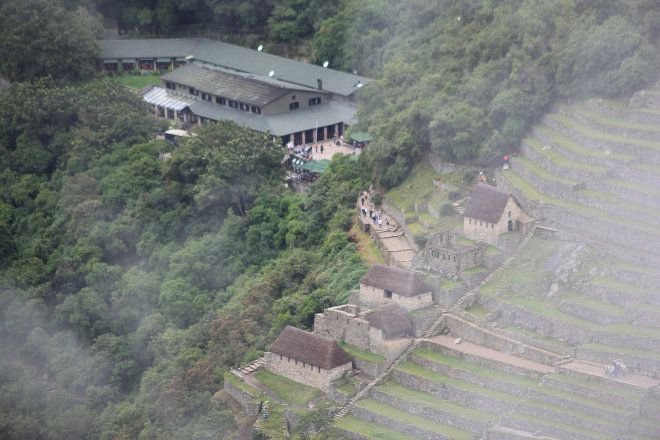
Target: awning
[
  {"x": 163, "y": 60},
  {"x": 128, "y": 60},
  {"x": 316, "y": 166},
  {"x": 162, "y": 98},
  {"x": 176, "y": 132},
  {"x": 109, "y": 60},
  {"x": 360, "y": 136}
]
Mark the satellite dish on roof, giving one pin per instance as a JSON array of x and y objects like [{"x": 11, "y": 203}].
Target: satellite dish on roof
[
  {"x": 271, "y": 73},
  {"x": 260, "y": 48},
  {"x": 326, "y": 63}
]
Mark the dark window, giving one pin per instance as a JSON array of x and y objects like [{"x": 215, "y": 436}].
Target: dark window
[
  {"x": 293, "y": 97},
  {"x": 256, "y": 109},
  {"x": 245, "y": 107},
  {"x": 170, "y": 85},
  {"x": 233, "y": 104},
  {"x": 388, "y": 294},
  {"x": 206, "y": 97},
  {"x": 294, "y": 105},
  {"x": 193, "y": 91},
  {"x": 314, "y": 101},
  {"x": 221, "y": 101}
]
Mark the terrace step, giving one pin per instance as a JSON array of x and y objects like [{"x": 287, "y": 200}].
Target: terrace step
[
  {"x": 593, "y": 223},
  {"x": 608, "y": 124},
  {"x": 648, "y": 150},
  {"x": 593, "y": 311},
  {"x": 506, "y": 433},
  {"x": 606, "y": 354},
  {"x": 555, "y": 162},
  {"x": 488, "y": 357},
  {"x": 580, "y": 152},
  {"x": 552, "y": 429},
  {"x": 644, "y": 276},
  {"x": 611, "y": 291},
  {"x": 646, "y": 426},
  {"x": 430, "y": 407},
  {"x": 631, "y": 336},
  {"x": 604, "y": 391},
  {"x": 407, "y": 423},
  {"x": 357, "y": 428}
]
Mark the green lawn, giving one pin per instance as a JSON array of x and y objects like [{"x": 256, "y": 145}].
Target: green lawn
[
  {"x": 364, "y": 355},
  {"x": 569, "y": 144},
  {"x": 561, "y": 160},
  {"x": 601, "y": 135},
  {"x": 614, "y": 122},
  {"x": 563, "y": 426},
  {"x": 417, "y": 187},
  {"x": 541, "y": 172},
  {"x": 290, "y": 391},
  {"x": 236, "y": 381},
  {"x": 413, "y": 419},
  {"x": 138, "y": 81},
  {"x": 371, "y": 430}
]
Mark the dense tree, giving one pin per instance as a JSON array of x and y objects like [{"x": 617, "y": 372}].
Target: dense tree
[{"x": 41, "y": 38}]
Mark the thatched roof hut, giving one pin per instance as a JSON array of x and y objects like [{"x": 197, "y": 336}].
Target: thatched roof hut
[
  {"x": 401, "y": 281},
  {"x": 392, "y": 319},
  {"x": 310, "y": 348},
  {"x": 486, "y": 203}
]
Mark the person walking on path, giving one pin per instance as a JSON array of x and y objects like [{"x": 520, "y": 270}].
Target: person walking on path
[
  {"x": 321, "y": 148},
  {"x": 380, "y": 223}
]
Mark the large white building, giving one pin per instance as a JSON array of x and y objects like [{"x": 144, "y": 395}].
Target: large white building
[{"x": 212, "y": 80}]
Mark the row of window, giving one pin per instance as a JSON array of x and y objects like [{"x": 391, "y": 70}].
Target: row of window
[
  {"x": 481, "y": 223},
  {"x": 234, "y": 104}
]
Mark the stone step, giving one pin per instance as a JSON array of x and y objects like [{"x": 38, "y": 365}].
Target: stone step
[{"x": 407, "y": 423}]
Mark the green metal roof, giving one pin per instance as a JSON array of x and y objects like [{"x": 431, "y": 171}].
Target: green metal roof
[
  {"x": 360, "y": 136},
  {"x": 240, "y": 59},
  {"x": 228, "y": 85},
  {"x": 316, "y": 166},
  {"x": 308, "y": 118}
]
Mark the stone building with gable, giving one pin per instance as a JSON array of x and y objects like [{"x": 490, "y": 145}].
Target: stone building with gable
[
  {"x": 491, "y": 212},
  {"x": 307, "y": 358},
  {"x": 384, "y": 284}
]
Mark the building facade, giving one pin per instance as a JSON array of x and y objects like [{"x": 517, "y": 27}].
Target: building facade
[
  {"x": 206, "y": 80},
  {"x": 384, "y": 284}
]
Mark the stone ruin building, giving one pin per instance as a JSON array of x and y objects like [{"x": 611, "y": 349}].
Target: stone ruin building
[
  {"x": 307, "y": 358},
  {"x": 444, "y": 255},
  {"x": 492, "y": 212}
]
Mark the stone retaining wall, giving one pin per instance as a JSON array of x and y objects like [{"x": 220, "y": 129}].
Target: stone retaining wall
[
  {"x": 243, "y": 398},
  {"x": 423, "y": 319},
  {"x": 643, "y": 317},
  {"x": 600, "y": 394},
  {"x": 606, "y": 357},
  {"x": 445, "y": 297},
  {"x": 577, "y": 174},
  {"x": 638, "y": 278},
  {"x": 571, "y": 419},
  {"x": 619, "y": 130},
  {"x": 543, "y": 430},
  {"x": 452, "y": 392},
  {"x": 630, "y": 341},
  {"x": 369, "y": 368},
  {"x": 472, "y": 333},
  {"x": 428, "y": 413},
  {"x": 649, "y": 155},
  {"x": 478, "y": 360},
  {"x": 381, "y": 420},
  {"x": 552, "y": 188},
  {"x": 588, "y": 314}
]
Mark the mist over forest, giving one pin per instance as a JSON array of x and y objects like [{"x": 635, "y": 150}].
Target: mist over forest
[{"x": 130, "y": 284}]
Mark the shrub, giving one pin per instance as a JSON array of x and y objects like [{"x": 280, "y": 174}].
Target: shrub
[
  {"x": 377, "y": 199},
  {"x": 446, "y": 209},
  {"x": 454, "y": 195}
]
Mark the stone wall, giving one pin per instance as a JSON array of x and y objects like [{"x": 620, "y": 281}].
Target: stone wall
[
  {"x": 445, "y": 297},
  {"x": 646, "y": 317},
  {"x": 477, "y": 335},
  {"x": 243, "y": 398},
  {"x": 597, "y": 392},
  {"x": 423, "y": 319},
  {"x": 343, "y": 324},
  {"x": 369, "y": 368},
  {"x": 303, "y": 373},
  {"x": 634, "y": 342},
  {"x": 588, "y": 314},
  {"x": 489, "y": 232},
  {"x": 606, "y": 357}
]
